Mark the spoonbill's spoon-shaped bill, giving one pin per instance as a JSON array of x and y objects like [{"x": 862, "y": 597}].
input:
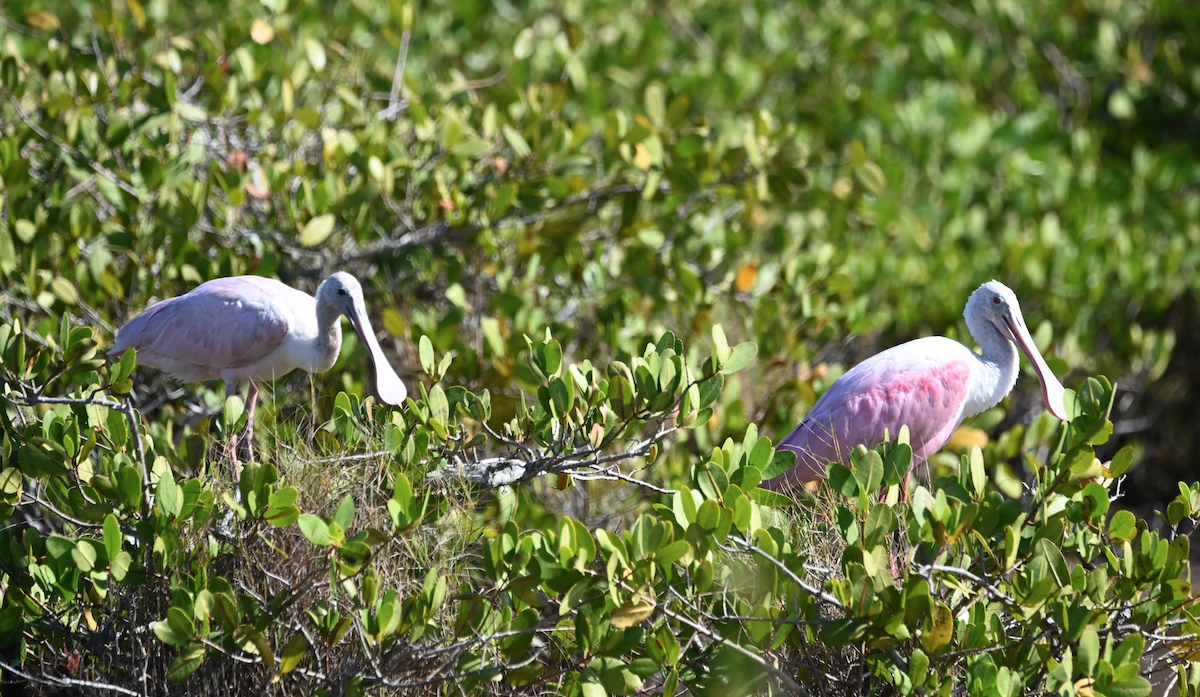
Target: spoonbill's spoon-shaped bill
[
  {"x": 251, "y": 329},
  {"x": 930, "y": 385}
]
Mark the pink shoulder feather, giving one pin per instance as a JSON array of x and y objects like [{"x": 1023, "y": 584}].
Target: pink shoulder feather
[{"x": 892, "y": 389}]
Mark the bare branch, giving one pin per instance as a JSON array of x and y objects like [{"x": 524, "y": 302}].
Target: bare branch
[{"x": 68, "y": 682}]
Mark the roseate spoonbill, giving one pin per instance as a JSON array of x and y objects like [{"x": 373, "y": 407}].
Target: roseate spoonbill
[
  {"x": 929, "y": 385},
  {"x": 250, "y": 329}
]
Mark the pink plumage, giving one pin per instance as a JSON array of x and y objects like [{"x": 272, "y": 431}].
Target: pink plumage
[
  {"x": 929, "y": 385},
  {"x": 223, "y": 325},
  {"x": 251, "y": 329}
]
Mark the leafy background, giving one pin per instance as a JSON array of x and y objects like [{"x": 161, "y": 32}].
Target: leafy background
[
  {"x": 909, "y": 154},
  {"x": 822, "y": 179}
]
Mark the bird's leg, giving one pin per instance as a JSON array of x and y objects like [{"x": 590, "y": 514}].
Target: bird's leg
[
  {"x": 235, "y": 466},
  {"x": 251, "y": 402}
]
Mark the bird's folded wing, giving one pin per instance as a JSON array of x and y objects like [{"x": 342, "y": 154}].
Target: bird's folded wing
[
  {"x": 225, "y": 323},
  {"x": 864, "y": 404}
]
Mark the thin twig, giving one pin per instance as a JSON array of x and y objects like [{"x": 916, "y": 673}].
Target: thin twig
[
  {"x": 393, "y": 110},
  {"x": 762, "y": 662},
  {"x": 807, "y": 588},
  {"x": 68, "y": 682}
]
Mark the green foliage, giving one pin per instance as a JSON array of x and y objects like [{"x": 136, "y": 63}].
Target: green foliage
[
  {"x": 609, "y": 244},
  {"x": 958, "y": 585}
]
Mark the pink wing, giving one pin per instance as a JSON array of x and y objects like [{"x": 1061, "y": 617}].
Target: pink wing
[
  {"x": 222, "y": 324},
  {"x": 918, "y": 384}
]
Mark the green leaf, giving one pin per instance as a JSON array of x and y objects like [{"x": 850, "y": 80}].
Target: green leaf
[
  {"x": 254, "y": 642},
  {"x": 403, "y": 490},
  {"x": 552, "y": 357},
  {"x": 871, "y": 177},
  {"x": 284, "y": 497},
  {"x": 25, "y": 230},
  {"x": 523, "y": 46},
  {"x": 710, "y": 390},
  {"x": 740, "y": 357},
  {"x": 315, "y": 52},
  {"x": 127, "y": 363},
  {"x": 64, "y": 291},
  {"x": 712, "y": 480},
  {"x": 869, "y": 471},
  {"x": 842, "y": 480},
  {"x": 978, "y": 473},
  {"x": 766, "y": 497},
  {"x": 439, "y": 405},
  {"x": 500, "y": 205},
  {"x": 281, "y": 517},
  {"x": 843, "y": 632},
  {"x": 709, "y": 516},
  {"x": 293, "y": 653},
  {"x": 186, "y": 663},
  {"x": 120, "y": 566},
  {"x": 167, "y": 634},
  {"x": 880, "y": 523},
  {"x": 10, "y": 481},
  {"x": 235, "y": 408},
  {"x": 760, "y": 454},
  {"x": 170, "y": 495},
  {"x": 897, "y": 463},
  {"x": 58, "y": 546},
  {"x": 918, "y": 667},
  {"x": 781, "y": 462},
  {"x": 720, "y": 347},
  {"x": 43, "y": 457},
  {"x": 425, "y": 350},
  {"x": 1120, "y": 463},
  {"x": 631, "y": 613},
  {"x": 689, "y": 146},
  {"x": 129, "y": 486},
  {"x": 315, "y": 530},
  {"x": 84, "y": 556},
  {"x": 112, "y": 536},
  {"x": 345, "y": 513},
  {"x": 516, "y": 141},
  {"x": 589, "y": 684},
  {"x": 317, "y": 230},
  {"x": 1136, "y": 686},
  {"x": 1089, "y": 650},
  {"x": 1123, "y": 526},
  {"x": 672, "y": 552},
  {"x": 941, "y": 630}
]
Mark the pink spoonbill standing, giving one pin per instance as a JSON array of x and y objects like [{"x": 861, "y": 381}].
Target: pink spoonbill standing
[
  {"x": 251, "y": 329},
  {"x": 929, "y": 385}
]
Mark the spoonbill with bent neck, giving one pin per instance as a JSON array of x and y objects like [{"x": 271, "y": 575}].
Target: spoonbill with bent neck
[
  {"x": 251, "y": 329},
  {"x": 929, "y": 385}
]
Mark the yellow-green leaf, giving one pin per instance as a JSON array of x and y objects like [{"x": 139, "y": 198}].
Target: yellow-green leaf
[{"x": 316, "y": 230}]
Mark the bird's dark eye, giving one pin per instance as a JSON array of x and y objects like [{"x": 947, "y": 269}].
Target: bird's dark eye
[
  {"x": 996, "y": 300},
  {"x": 342, "y": 291}
]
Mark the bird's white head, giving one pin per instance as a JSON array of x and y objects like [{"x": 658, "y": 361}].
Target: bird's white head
[
  {"x": 343, "y": 291},
  {"x": 994, "y": 306}
]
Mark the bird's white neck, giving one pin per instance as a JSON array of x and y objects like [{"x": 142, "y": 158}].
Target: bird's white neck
[
  {"x": 329, "y": 336},
  {"x": 998, "y": 367}
]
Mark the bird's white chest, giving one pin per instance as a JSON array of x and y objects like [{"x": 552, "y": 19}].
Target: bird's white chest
[{"x": 301, "y": 348}]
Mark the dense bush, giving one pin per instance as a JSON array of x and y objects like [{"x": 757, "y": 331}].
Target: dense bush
[
  {"x": 959, "y": 587},
  {"x": 553, "y": 208}
]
